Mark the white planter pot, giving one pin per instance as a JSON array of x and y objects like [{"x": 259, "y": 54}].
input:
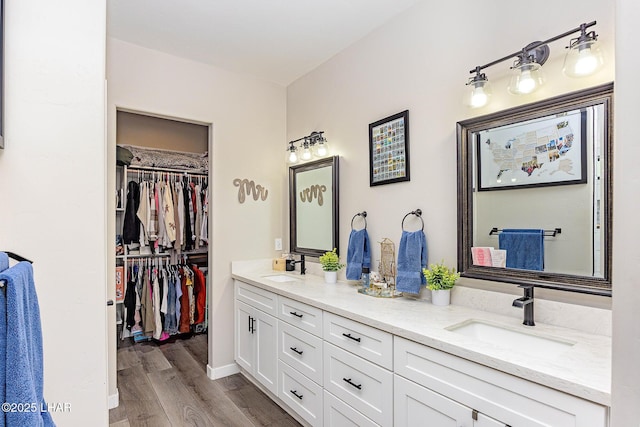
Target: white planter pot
[
  {"x": 441, "y": 297},
  {"x": 331, "y": 276}
]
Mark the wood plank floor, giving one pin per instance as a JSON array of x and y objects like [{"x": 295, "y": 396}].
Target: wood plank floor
[{"x": 167, "y": 385}]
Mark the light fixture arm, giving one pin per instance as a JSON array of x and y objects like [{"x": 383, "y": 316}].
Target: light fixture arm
[{"x": 533, "y": 46}]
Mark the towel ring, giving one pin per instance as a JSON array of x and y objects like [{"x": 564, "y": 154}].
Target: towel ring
[
  {"x": 418, "y": 213},
  {"x": 363, "y": 214}
]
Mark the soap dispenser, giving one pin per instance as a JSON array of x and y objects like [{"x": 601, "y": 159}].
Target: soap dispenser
[{"x": 364, "y": 279}]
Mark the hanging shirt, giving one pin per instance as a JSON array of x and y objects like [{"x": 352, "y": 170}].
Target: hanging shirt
[
  {"x": 176, "y": 213},
  {"x": 204, "y": 230},
  {"x": 181, "y": 214},
  {"x": 143, "y": 214},
  {"x": 200, "y": 295},
  {"x": 169, "y": 216},
  {"x": 157, "y": 333},
  {"x": 131, "y": 226},
  {"x": 188, "y": 214}
]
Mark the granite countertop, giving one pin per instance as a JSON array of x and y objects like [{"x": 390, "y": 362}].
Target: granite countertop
[{"x": 583, "y": 370}]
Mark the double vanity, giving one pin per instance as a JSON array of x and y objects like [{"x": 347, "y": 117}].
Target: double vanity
[{"x": 333, "y": 357}]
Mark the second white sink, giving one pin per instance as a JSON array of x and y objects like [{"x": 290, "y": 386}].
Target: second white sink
[{"x": 512, "y": 338}]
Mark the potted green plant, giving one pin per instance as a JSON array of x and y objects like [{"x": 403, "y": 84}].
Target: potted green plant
[
  {"x": 440, "y": 280},
  {"x": 330, "y": 265}
]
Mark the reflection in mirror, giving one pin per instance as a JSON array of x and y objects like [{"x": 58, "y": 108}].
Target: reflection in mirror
[
  {"x": 534, "y": 193},
  {"x": 313, "y": 207}
]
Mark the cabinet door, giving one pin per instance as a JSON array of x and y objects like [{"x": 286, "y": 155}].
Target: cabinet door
[
  {"x": 245, "y": 338},
  {"x": 266, "y": 362},
  {"x": 418, "y": 406}
]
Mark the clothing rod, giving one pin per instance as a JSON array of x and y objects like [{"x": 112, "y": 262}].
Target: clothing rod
[
  {"x": 152, "y": 169},
  {"x": 547, "y": 233}
]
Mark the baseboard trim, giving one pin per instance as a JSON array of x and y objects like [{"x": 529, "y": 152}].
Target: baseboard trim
[
  {"x": 114, "y": 400},
  {"x": 222, "y": 371}
]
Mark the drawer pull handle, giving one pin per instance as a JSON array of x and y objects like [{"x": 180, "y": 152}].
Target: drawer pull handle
[
  {"x": 295, "y": 393},
  {"x": 350, "y": 337},
  {"x": 296, "y": 350},
  {"x": 296, "y": 314},
  {"x": 348, "y": 380}
]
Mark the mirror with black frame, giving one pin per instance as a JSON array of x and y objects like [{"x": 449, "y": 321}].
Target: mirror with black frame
[
  {"x": 534, "y": 193},
  {"x": 313, "y": 207}
]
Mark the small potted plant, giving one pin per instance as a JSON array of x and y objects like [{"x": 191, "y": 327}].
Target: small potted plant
[
  {"x": 440, "y": 280},
  {"x": 330, "y": 265}
]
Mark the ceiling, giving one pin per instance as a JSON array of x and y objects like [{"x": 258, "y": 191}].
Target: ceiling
[{"x": 274, "y": 40}]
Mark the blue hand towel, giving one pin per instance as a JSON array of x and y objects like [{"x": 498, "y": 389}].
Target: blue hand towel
[
  {"x": 358, "y": 253},
  {"x": 4, "y": 261},
  {"x": 525, "y": 248},
  {"x": 412, "y": 258},
  {"x": 21, "y": 348}
]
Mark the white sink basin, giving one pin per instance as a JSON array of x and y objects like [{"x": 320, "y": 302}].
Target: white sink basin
[
  {"x": 512, "y": 338},
  {"x": 281, "y": 278}
]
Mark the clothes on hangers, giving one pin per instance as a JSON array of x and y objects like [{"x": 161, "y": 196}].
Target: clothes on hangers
[
  {"x": 164, "y": 300},
  {"x": 166, "y": 214}
]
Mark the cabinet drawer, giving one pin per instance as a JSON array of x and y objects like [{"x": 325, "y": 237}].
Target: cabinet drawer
[
  {"x": 303, "y": 316},
  {"x": 512, "y": 400},
  {"x": 338, "y": 413},
  {"x": 367, "y": 342},
  {"x": 301, "y": 394},
  {"x": 360, "y": 384},
  {"x": 258, "y": 298},
  {"x": 301, "y": 350}
]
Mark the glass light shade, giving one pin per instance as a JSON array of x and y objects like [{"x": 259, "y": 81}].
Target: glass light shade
[
  {"x": 321, "y": 149},
  {"x": 526, "y": 78},
  {"x": 292, "y": 156},
  {"x": 479, "y": 93},
  {"x": 306, "y": 153},
  {"x": 583, "y": 58}
]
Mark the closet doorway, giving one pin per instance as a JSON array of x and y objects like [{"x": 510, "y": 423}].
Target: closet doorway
[{"x": 162, "y": 246}]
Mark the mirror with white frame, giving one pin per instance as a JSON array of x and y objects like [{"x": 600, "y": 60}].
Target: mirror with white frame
[{"x": 540, "y": 172}]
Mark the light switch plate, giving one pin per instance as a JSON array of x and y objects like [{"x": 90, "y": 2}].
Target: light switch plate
[{"x": 278, "y": 244}]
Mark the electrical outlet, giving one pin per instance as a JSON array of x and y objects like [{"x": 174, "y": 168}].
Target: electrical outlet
[{"x": 278, "y": 244}]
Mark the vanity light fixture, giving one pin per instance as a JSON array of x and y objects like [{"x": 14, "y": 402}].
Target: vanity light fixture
[
  {"x": 312, "y": 145},
  {"x": 583, "y": 58}
]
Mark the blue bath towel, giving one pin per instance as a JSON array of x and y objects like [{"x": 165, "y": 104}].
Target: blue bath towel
[
  {"x": 21, "y": 367},
  {"x": 525, "y": 248},
  {"x": 358, "y": 253},
  {"x": 4, "y": 261},
  {"x": 412, "y": 258}
]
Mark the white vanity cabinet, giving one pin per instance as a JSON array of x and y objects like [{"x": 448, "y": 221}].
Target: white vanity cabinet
[
  {"x": 300, "y": 359},
  {"x": 357, "y": 368},
  {"x": 427, "y": 378},
  {"x": 256, "y": 334},
  {"x": 330, "y": 370}
]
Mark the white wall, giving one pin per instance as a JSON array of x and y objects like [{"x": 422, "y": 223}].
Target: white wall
[
  {"x": 248, "y": 118},
  {"x": 626, "y": 228},
  {"x": 420, "y": 62},
  {"x": 52, "y": 181}
]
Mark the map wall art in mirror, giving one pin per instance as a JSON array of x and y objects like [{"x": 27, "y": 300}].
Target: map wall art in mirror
[
  {"x": 534, "y": 193},
  {"x": 313, "y": 207}
]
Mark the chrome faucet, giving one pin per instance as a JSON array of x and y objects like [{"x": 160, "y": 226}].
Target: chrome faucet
[
  {"x": 526, "y": 302},
  {"x": 293, "y": 263}
]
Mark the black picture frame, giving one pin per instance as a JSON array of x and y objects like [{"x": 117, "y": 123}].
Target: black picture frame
[
  {"x": 389, "y": 150},
  {"x": 549, "y": 141}
]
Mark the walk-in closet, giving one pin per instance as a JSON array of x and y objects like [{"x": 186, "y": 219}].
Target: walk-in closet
[{"x": 162, "y": 223}]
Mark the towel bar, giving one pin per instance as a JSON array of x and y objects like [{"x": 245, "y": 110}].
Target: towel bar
[
  {"x": 547, "y": 233},
  {"x": 17, "y": 258}
]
